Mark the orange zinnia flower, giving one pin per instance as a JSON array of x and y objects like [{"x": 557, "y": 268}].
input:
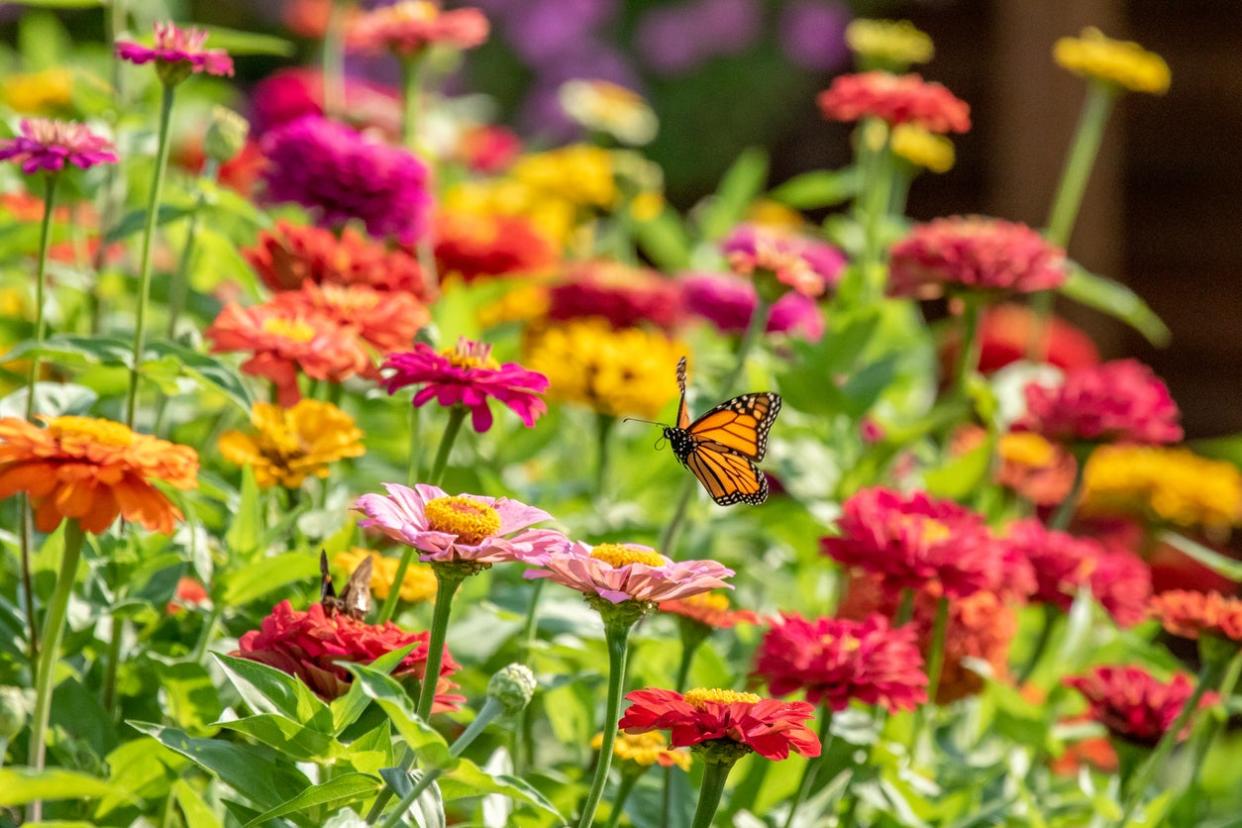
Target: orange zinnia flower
[
  {"x": 386, "y": 321},
  {"x": 91, "y": 470},
  {"x": 1191, "y": 614}
]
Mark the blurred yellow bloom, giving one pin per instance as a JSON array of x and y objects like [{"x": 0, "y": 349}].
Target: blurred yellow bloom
[
  {"x": 290, "y": 444},
  {"x": 645, "y": 750},
  {"x": 769, "y": 213},
  {"x": 419, "y": 583},
  {"x": 1119, "y": 62},
  {"x": 629, "y": 371},
  {"x": 524, "y": 302},
  {"x": 39, "y": 93},
  {"x": 1168, "y": 484},
  {"x": 894, "y": 42},
  {"x": 579, "y": 173},
  {"x": 647, "y": 206},
  {"x": 605, "y": 107},
  {"x": 552, "y": 217},
  {"x": 922, "y": 148}
]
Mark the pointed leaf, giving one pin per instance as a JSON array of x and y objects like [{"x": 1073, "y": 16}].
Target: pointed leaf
[
  {"x": 19, "y": 786},
  {"x": 246, "y": 531},
  {"x": 347, "y": 708},
  {"x": 291, "y": 738},
  {"x": 197, "y": 813},
  {"x": 265, "y": 689},
  {"x": 266, "y": 575},
  {"x": 335, "y": 793},
  {"x": 741, "y": 183},
  {"x": 428, "y": 745},
  {"x": 469, "y": 780},
  {"x": 1116, "y": 300},
  {"x": 818, "y": 189}
]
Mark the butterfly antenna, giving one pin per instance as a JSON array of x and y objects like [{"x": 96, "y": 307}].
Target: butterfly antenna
[{"x": 641, "y": 420}]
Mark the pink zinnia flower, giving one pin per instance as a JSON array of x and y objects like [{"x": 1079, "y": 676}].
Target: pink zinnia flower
[
  {"x": 804, "y": 265},
  {"x": 48, "y": 145},
  {"x": 729, "y": 302},
  {"x": 1062, "y": 563},
  {"x": 288, "y": 94},
  {"x": 446, "y": 528},
  {"x": 897, "y": 99},
  {"x": 630, "y": 572},
  {"x": 177, "y": 53},
  {"x": 974, "y": 253},
  {"x": 1118, "y": 401},
  {"x": 1121, "y": 582},
  {"x": 836, "y": 660},
  {"x": 625, "y": 296},
  {"x": 410, "y": 26},
  {"x": 1133, "y": 704},
  {"x": 468, "y": 375}
]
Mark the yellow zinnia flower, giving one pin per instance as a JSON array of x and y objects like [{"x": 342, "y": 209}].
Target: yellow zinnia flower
[
  {"x": 39, "y": 93},
  {"x": 290, "y": 444},
  {"x": 618, "y": 372},
  {"x": 895, "y": 43},
  {"x": 1118, "y": 62},
  {"x": 645, "y": 750},
  {"x": 606, "y": 107},
  {"x": 579, "y": 173},
  {"x": 1168, "y": 484},
  {"x": 419, "y": 583},
  {"x": 768, "y": 212},
  {"x": 923, "y": 149}
]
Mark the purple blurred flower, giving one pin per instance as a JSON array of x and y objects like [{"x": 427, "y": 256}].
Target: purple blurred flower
[
  {"x": 674, "y": 40},
  {"x": 728, "y": 302},
  {"x": 813, "y": 33},
  {"x": 48, "y": 145},
  {"x": 544, "y": 31},
  {"x": 340, "y": 174}
]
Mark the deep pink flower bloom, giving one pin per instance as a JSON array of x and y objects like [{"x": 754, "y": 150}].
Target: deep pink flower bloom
[
  {"x": 897, "y": 99},
  {"x": 1133, "y": 704},
  {"x": 630, "y": 572},
  {"x": 805, "y": 265},
  {"x": 1121, "y": 582},
  {"x": 459, "y": 527},
  {"x": 410, "y": 26},
  {"x": 1118, "y": 401},
  {"x": 468, "y": 375},
  {"x": 836, "y": 660},
  {"x": 625, "y": 296},
  {"x": 340, "y": 175},
  {"x": 728, "y": 302},
  {"x": 177, "y": 53},
  {"x": 1061, "y": 563},
  {"x": 288, "y": 94},
  {"x": 48, "y": 145}
]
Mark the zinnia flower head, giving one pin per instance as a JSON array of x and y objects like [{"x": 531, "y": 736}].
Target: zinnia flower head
[
  {"x": 477, "y": 245},
  {"x": 467, "y": 375},
  {"x": 458, "y": 528},
  {"x": 92, "y": 471},
  {"x": 289, "y": 445},
  {"x": 1193, "y": 614},
  {"x": 1133, "y": 704},
  {"x": 340, "y": 175},
  {"x": 895, "y": 99},
  {"x": 804, "y": 265},
  {"x": 1121, "y": 582},
  {"x": 1119, "y": 63},
  {"x": 408, "y": 27},
  {"x": 729, "y": 302},
  {"x": 724, "y": 719},
  {"x": 629, "y": 572},
  {"x": 289, "y": 94},
  {"x": 1119, "y": 401},
  {"x": 616, "y": 372},
  {"x": 178, "y": 53},
  {"x": 836, "y": 660},
  {"x": 48, "y": 145},
  {"x": 189, "y": 594},
  {"x": 625, "y": 296},
  {"x": 310, "y": 644},
  {"x": 710, "y": 609},
  {"x": 973, "y": 253},
  {"x": 386, "y": 321},
  {"x": 419, "y": 583},
  {"x": 1005, "y": 335},
  {"x": 1061, "y": 563},
  {"x": 645, "y": 750},
  {"x": 603, "y": 107},
  {"x": 580, "y": 174},
  {"x": 888, "y": 43},
  {"x": 923, "y": 148}
]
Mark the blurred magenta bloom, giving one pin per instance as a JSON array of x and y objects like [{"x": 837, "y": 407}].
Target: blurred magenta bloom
[
  {"x": 48, "y": 145},
  {"x": 728, "y": 302},
  {"x": 805, "y": 265},
  {"x": 288, "y": 94},
  {"x": 1118, "y": 401},
  {"x": 177, "y": 53}
]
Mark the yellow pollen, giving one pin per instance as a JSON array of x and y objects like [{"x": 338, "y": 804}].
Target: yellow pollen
[
  {"x": 469, "y": 519},
  {"x": 91, "y": 429},
  {"x": 618, "y": 554},
  {"x": 713, "y": 601},
  {"x": 701, "y": 696},
  {"x": 467, "y": 354},
  {"x": 292, "y": 329}
]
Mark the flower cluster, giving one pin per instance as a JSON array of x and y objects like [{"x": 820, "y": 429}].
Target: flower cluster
[
  {"x": 1120, "y": 401},
  {"x": 729, "y": 302},
  {"x": 288, "y": 445}
]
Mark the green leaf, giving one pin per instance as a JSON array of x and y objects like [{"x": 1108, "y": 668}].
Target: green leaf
[
  {"x": 818, "y": 189},
  {"x": 51, "y": 398},
  {"x": 428, "y": 745},
  {"x": 347, "y": 708},
  {"x": 238, "y": 42},
  {"x": 331, "y": 795},
  {"x": 73, "y": 350},
  {"x": 265, "y": 575},
  {"x": 208, "y": 371},
  {"x": 19, "y": 786},
  {"x": 960, "y": 475},
  {"x": 741, "y": 183},
  {"x": 246, "y": 532},
  {"x": 1116, "y": 300},
  {"x": 1210, "y": 558},
  {"x": 252, "y": 771},
  {"x": 265, "y": 689},
  {"x": 189, "y": 695},
  {"x": 197, "y": 813},
  {"x": 291, "y": 738},
  {"x": 63, "y": 4},
  {"x": 664, "y": 239},
  {"x": 135, "y": 221},
  {"x": 469, "y": 780}
]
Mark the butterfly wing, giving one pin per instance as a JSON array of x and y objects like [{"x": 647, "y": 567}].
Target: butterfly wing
[
  {"x": 327, "y": 592},
  {"x": 739, "y": 425},
  {"x": 729, "y": 478},
  {"x": 355, "y": 600}
]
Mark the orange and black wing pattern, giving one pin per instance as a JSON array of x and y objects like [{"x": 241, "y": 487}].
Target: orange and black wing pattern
[{"x": 721, "y": 447}]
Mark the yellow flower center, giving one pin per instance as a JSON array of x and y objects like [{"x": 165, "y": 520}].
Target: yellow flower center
[
  {"x": 712, "y": 601},
  {"x": 91, "y": 429},
  {"x": 619, "y": 554},
  {"x": 701, "y": 696},
  {"x": 1026, "y": 449},
  {"x": 294, "y": 330},
  {"x": 467, "y": 354},
  {"x": 470, "y": 520}
]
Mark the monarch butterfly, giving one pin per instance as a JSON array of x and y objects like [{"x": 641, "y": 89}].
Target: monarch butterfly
[{"x": 721, "y": 447}]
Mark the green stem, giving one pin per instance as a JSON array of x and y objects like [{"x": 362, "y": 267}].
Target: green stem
[
  {"x": 935, "y": 666},
  {"x": 905, "y": 609},
  {"x": 1064, "y": 513},
  {"x": 603, "y": 430},
  {"x": 969, "y": 346},
  {"x": 810, "y": 772},
  {"x": 411, "y": 87},
  {"x": 32, "y": 621},
  {"x": 457, "y": 414},
  {"x": 4, "y": 746},
  {"x": 1050, "y": 614},
  {"x": 416, "y": 448},
  {"x": 447, "y": 582},
  {"x": 112, "y": 661},
  {"x": 523, "y": 744},
  {"x": 334, "y": 60},
  {"x": 148, "y": 236},
  {"x": 40, "y": 332},
  {"x": 617, "y": 637},
  {"x": 619, "y": 798},
  {"x": 53, "y": 630},
  {"x": 394, "y": 590},
  {"x": 204, "y": 637},
  {"x": 875, "y": 198},
  {"x": 715, "y": 774},
  {"x": 178, "y": 290}
]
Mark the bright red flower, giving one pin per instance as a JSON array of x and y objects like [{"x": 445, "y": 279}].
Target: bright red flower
[
  {"x": 1121, "y": 582},
  {"x": 625, "y": 296},
  {"x": 1118, "y": 401},
  {"x": 309, "y": 645},
  {"x": 477, "y": 246},
  {"x": 836, "y": 660},
  {"x": 1192, "y": 614},
  {"x": 189, "y": 593},
  {"x": 387, "y": 322},
  {"x": 897, "y": 99},
  {"x": 489, "y": 149},
  {"x": 711, "y": 609},
  {"x": 1005, "y": 334},
  {"x": 769, "y": 727},
  {"x": 1061, "y": 562},
  {"x": 1134, "y": 705}
]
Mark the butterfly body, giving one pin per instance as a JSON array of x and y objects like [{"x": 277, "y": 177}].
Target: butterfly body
[{"x": 355, "y": 598}]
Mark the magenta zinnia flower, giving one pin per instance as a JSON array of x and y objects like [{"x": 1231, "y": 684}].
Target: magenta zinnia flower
[
  {"x": 1133, "y": 704},
  {"x": 484, "y": 530},
  {"x": 728, "y": 302},
  {"x": 468, "y": 375},
  {"x": 629, "y": 572},
  {"x": 48, "y": 145},
  {"x": 1061, "y": 563},
  {"x": 804, "y": 265},
  {"x": 1118, "y": 401},
  {"x": 177, "y": 53},
  {"x": 341, "y": 175},
  {"x": 410, "y": 26}
]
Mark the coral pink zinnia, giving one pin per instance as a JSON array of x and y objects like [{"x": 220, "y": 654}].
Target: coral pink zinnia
[
  {"x": 629, "y": 572},
  {"x": 973, "y": 253},
  {"x": 467, "y": 375},
  {"x": 710, "y": 609},
  {"x": 897, "y": 99},
  {"x": 177, "y": 53},
  {"x": 387, "y": 322},
  {"x": 1193, "y": 614},
  {"x": 836, "y": 660},
  {"x": 45, "y": 144},
  {"x": 1134, "y": 705},
  {"x": 1062, "y": 563},
  {"x": 804, "y": 265},
  {"x": 408, "y": 27},
  {"x": 1118, "y": 401}
]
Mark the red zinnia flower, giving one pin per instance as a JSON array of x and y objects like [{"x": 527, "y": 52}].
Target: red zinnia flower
[
  {"x": 386, "y": 321},
  {"x": 475, "y": 246},
  {"x": 1133, "y": 704},
  {"x": 488, "y": 149},
  {"x": 1005, "y": 334},
  {"x": 189, "y": 593},
  {"x": 625, "y": 296},
  {"x": 1121, "y": 582},
  {"x": 837, "y": 660},
  {"x": 897, "y": 99},
  {"x": 309, "y": 645},
  {"x": 1192, "y": 614},
  {"x": 769, "y": 727},
  {"x": 1118, "y": 401},
  {"x": 1061, "y": 562},
  {"x": 711, "y": 609}
]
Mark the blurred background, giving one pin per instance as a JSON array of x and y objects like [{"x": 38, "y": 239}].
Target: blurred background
[{"x": 724, "y": 75}]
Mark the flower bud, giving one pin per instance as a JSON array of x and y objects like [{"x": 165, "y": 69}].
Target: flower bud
[
  {"x": 13, "y": 712},
  {"x": 513, "y": 687},
  {"x": 226, "y": 134}
]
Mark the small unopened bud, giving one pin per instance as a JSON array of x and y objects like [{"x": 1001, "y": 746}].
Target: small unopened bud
[
  {"x": 513, "y": 687},
  {"x": 13, "y": 712},
  {"x": 226, "y": 134}
]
